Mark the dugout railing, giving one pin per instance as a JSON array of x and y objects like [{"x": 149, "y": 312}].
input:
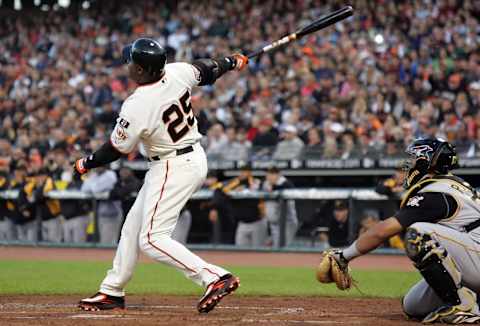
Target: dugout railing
[{"x": 356, "y": 198}]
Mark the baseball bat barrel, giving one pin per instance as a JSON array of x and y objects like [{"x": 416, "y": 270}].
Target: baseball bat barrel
[
  {"x": 326, "y": 21},
  {"x": 316, "y": 25}
]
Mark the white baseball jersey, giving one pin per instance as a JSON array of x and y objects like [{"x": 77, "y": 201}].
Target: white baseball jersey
[
  {"x": 468, "y": 210},
  {"x": 160, "y": 117},
  {"x": 462, "y": 247},
  {"x": 160, "y": 114}
]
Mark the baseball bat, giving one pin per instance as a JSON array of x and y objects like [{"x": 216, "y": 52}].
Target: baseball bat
[{"x": 314, "y": 26}]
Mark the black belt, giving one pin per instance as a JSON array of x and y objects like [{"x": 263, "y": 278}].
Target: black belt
[{"x": 178, "y": 152}]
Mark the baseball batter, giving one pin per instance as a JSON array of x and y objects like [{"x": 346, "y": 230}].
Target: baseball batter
[
  {"x": 159, "y": 115},
  {"x": 441, "y": 215}
]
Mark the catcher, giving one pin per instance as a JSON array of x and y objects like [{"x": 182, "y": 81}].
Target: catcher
[{"x": 441, "y": 216}]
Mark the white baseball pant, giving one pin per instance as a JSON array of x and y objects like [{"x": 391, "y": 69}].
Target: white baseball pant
[
  {"x": 52, "y": 230},
  {"x": 251, "y": 234},
  {"x": 75, "y": 229},
  {"x": 180, "y": 233},
  {"x": 465, "y": 252},
  {"x": 150, "y": 222}
]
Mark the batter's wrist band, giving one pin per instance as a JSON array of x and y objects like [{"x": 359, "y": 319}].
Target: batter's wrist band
[
  {"x": 80, "y": 166},
  {"x": 351, "y": 252}
]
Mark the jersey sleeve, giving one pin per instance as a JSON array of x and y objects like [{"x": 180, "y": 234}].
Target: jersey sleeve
[
  {"x": 426, "y": 207},
  {"x": 129, "y": 128},
  {"x": 188, "y": 73}
]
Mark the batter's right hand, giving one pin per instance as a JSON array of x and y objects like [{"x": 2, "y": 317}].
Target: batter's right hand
[
  {"x": 79, "y": 167},
  {"x": 241, "y": 61}
]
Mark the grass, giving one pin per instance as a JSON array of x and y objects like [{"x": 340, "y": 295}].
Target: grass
[{"x": 62, "y": 277}]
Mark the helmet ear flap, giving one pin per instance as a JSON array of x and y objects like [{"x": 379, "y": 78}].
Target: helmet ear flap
[
  {"x": 435, "y": 159},
  {"x": 444, "y": 159}
]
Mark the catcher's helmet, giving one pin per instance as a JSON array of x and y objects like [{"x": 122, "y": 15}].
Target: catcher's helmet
[
  {"x": 148, "y": 54},
  {"x": 429, "y": 155}
]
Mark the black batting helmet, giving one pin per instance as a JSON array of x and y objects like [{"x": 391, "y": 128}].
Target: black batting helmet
[{"x": 146, "y": 53}]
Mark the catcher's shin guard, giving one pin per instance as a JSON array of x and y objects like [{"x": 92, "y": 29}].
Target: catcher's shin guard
[
  {"x": 435, "y": 265},
  {"x": 442, "y": 275}
]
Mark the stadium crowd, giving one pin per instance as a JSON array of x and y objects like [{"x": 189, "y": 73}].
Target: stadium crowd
[{"x": 368, "y": 85}]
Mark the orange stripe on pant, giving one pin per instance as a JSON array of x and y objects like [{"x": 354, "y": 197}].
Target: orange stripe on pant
[{"x": 151, "y": 227}]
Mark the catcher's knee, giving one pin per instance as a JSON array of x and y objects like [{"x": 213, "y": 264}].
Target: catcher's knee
[
  {"x": 420, "y": 245},
  {"x": 409, "y": 313},
  {"x": 413, "y": 243}
]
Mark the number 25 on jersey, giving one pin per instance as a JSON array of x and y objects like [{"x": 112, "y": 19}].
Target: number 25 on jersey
[{"x": 179, "y": 118}]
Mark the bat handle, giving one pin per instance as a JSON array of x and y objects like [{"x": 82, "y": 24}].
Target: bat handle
[{"x": 255, "y": 53}]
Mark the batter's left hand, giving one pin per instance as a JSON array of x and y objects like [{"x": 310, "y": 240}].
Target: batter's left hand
[{"x": 241, "y": 61}]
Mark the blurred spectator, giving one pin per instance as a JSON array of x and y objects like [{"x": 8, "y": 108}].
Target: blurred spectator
[
  {"x": 236, "y": 148},
  {"x": 330, "y": 145},
  {"x": 182, "y": 228},
  {"x": 109, "y": 212},
  {"x": 386, "y": 75},
  {"x": 216, "y": 141},
  {"x": 394, "y": 149},
  {"x": 348, "y": 146},
  {"x": 58, "y": 164},
  {"x": 275, "y": 181},
  {"x": 338, "y": 226},
  {"x": 313, "y": 148},
  {"x": 290, "y": 147},
  {"x": 265, "y": 140}
]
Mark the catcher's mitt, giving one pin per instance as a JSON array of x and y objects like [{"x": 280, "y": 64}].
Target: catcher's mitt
[{"x": 334, "y": 268}]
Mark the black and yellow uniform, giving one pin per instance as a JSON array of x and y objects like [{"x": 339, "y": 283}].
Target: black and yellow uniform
[
  {"x": 71, "y": 208},
  {"x": 36, "y": 191},
  {"x": 3, "y": 203},
  {"x": 19, "y": 211},
  {"x": 248, "y": 210}
]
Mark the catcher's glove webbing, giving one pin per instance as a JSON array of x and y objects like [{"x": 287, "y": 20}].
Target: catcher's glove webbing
[{"x": 334, "y": 268}]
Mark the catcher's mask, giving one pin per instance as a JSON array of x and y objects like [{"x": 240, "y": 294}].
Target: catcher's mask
[{"x": 428, "y": 155}]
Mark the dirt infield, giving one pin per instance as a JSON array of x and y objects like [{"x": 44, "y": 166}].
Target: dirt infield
[
  {"x": 235, "y": 258},
  {"x": 177, "y": 310},
  {"x": 235, "y": 310}
]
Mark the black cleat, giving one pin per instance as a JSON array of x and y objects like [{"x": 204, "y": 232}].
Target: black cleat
[{"x": 101, "y": 301}]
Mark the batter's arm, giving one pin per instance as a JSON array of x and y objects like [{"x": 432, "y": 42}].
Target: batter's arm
[
  {"x": 104, "y": 155},
  {"x": 212, "y": 69}
]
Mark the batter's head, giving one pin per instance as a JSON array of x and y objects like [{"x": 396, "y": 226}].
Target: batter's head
[
  {"x": 429, "y": 155},
  {"x": 146, "y": 59}
]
